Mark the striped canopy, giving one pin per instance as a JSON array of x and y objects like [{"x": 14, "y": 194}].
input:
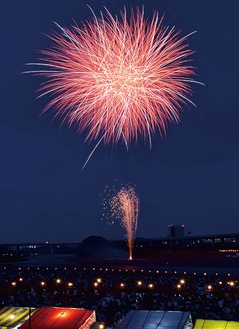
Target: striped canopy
[{"x": 12, "y": 317}]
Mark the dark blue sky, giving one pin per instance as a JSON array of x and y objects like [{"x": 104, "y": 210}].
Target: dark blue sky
[{"x": 189, "y": 177}]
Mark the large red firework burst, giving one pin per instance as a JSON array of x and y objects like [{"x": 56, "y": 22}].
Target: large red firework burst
[{"x": 118, "y": 78}]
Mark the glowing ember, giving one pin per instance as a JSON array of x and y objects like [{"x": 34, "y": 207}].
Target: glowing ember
[{"x": 125, "y": 207}]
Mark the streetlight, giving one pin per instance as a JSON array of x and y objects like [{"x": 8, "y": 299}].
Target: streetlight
[{"x": 231, "y": 283}]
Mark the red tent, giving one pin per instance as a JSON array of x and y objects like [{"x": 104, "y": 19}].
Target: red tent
[{"x": 60, "y": 318}]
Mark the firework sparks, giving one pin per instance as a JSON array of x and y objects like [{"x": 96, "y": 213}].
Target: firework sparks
[
  {"x": 117, "y": 78},
  {"x": 124, "y": 206}
]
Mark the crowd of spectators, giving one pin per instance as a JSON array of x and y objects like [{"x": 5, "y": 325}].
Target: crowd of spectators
[{"x": 113, "y": 292}]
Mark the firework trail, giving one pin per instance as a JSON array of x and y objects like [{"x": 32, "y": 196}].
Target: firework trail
[
  {"x": 124, "y": 206},
  {"x": 117, "y": 78}
]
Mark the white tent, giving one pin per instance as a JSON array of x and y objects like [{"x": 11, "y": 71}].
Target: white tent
[{"x": 143, "y": 319}]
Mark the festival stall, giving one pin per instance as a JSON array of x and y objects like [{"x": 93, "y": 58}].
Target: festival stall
[
  {"x": 217, "y": 324},
  {"x": 60, "y": 318},
  {"x": 13, "y": 317},
  {"x": 156, "y": 320}
]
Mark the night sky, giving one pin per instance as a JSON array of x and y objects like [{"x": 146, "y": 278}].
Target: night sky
[{"x": 189, "y": 177}]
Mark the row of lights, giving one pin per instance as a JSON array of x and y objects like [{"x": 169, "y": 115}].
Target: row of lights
[
  {"x": 43, "y": 283},
  {"x": 126, "y": 270},
  {"x": 122, "y": 285},
  {"x": 96, "y": 283}
]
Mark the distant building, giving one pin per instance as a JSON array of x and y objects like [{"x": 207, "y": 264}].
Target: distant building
[{"x": 176, "y": 231}]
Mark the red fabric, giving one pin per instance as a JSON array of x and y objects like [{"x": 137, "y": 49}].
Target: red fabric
[{"x": 60, "y": 318}]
